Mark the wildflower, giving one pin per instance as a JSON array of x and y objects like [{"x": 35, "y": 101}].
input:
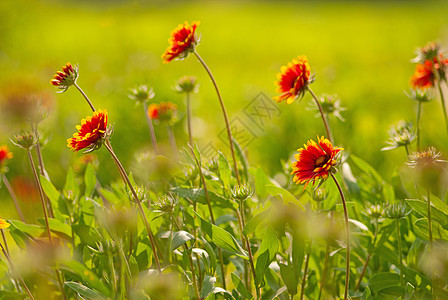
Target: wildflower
[
  {"x": 63, "y": 80},
  {"x": 163, "y": 112},
  {"x": 420, "y": 95},
  {"x": 26, "y": 140},
  {"x": 183, "y": 41},
  {"x": 141, "y": 93},
  {"x": 331, "y": 105},
  {"x": 4, "y": 224},
  {"x": 397, "y": 211},
  {"x": 401, "y": 134},
  {"x": 187, "y": 84},
  {"x": 423, "y": 77},
  {"x": 242, "y": 192},
  {"x": 428, "y": 52},
  {"x": 375, "y": 211},
  {"x": 5, "y": 155},
  {"x": 430, "y": 168},
  {"x": 91, "y": 133},
  {"x": 293, "y": 80},
  {"x": 314, "y": 161},
  {"x": 426, "y": 159}
]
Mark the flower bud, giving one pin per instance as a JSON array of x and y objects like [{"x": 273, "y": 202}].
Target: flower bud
[
  {"x": 26, "y": 140},
  {"x": 141, "y": 93},
  {"x": 241, "y": 192},
  {"x": 187, "y": 84},
  {"x": 63, "y": 80}
]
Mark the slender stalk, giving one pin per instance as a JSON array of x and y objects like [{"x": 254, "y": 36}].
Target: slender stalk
[
  {"x": 4, "y": 241},
  {"x": 305, "y": 271},
  {"x": 442, "y": 99},
  {"x": 324, "y": 272},
  {"x": 14, "y": 198},
  {"x": 85, "y": 96},
  {"x": 13, "y": 270},
  {"x": 151, "y": 129},
  {"x": 229, "y": 133},
  {"x": 204, "y": 184},
  {"x": 347, "y": 228},
  {"x": 327, "y": 127},
  {"x": 400, "y": 255},
  {"x": 189, "y": 116},
  {"x": 406, "y": 147},
  {"x": 433, "y": 277},
  {"x": 419, "y": 113},
  {"x": 137, "y": 200},
  {"x": 172, "y": 142},
  {"x": 41, "y": 193},
  {"x": 363, "y": 272}
]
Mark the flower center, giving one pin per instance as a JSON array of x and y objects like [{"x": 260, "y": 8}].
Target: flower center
[{"x": 321, "y": 160}]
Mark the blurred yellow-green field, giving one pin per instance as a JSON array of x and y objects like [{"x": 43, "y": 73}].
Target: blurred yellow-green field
[{"x": 360, "y": 51}]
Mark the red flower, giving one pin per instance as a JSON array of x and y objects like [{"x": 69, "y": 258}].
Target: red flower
[
  {"x": 314, "y": 161},
  {"x": 183, "y": 40},
  {"x": 162, "y": 112},
  {"x": 423, "y": 77},
  {"x": 4, "y": 154},
  {"x": 90, "y": 133},
  {"x": 63, "y": 80},
  {"x": 293, "y": 80}
]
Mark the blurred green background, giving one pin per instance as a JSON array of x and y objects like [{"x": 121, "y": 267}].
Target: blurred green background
[{"x": 360, "y": 51}]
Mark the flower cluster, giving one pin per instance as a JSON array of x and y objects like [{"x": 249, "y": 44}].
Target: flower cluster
[
  {"x": 5, "y": 155},
  {"x": 432, "y": 65},
  {"x": 63, "y": 80},
  {"x": 183, "y": 40},
  {"x": 401, "y": 134},
  {"x": 314, "y": 161},
  {"x": 293, "y": 80},
  {"x": 90, "y": 133},
  {"x": 164, "y": 112}
]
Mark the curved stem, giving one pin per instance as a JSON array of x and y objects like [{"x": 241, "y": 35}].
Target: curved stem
[
  {"x": 223, "y": 108},
  {"x": 400, "y": 255},
  {"x": 347, "y": 228},
  {"x": 14, "y": 198},
  {"x": 151, "y": 129},
  {"x": 85, "y": 96},
  {"x": 419, "y": 112},
  {"x": 327, "y": 127},
  {"x": 137, "y": 200},
  {"x": 189, "y": 117},
  {"x": 442, "y": 99}
]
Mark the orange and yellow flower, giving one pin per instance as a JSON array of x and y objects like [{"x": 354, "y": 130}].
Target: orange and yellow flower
[
  {"x": 183, "y": 40},
  {"x": 162, "y": 112},
  {"x": 4, "y": 224},
  {"x": 293, "y": 80},
  {"x": 423, "y": 77},
  {"x": 314, "y": 161},
  {"x": 90, "y": 133},
  {"x": 63, "y": 80},
  {"x": 5, "y": 155}
]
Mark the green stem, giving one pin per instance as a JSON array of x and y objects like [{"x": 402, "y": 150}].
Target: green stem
[
  {"x": 363, "y": 272},
  {"x": 324, "y": 272},
  {"x": 189, "y": 117},
  {"x": 151, "y": 129},
  {"x": 223, "y": 108},
  {"x": 419, "y": 112},
  {"x": 173, "y": 144},
  {"x": 305, "y": 271},
  {"x": 400, "y": 255},
  {"x": 433, "y": 277},
  {"x": 14, "y": 198},
  {"x": 347, "y": 228},
  {"x": 327, "y": 127},
  {"x": 442, "y": 99},
  {"x": 137, "y": 200},
  {"x": 85, "y": 96}
]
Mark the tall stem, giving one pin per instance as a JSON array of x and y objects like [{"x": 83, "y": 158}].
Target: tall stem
[
  {"x": 305, "y": 271},
  {"x": 347, "y": 228},
  {"x": 433, "y": 277},
  {"x": 223, "y": 108},
  {"x": 400, "y": 255},
  {"x": 324, "y": 272},
  {"x": 151, "y": 129},
  {"x": 419, "y": 112},
  {"x": 363, "y": 272},
  {"x": 41, "y": 194},
  {"x": 442, "y": 99},
  {"x": 137, "y": 200},
  {"x": 327, "y": 127},
  {"x": 189, "y": 117},
  {"x": 172, "y": 142},
  {"x": 204, "y": 184},
  {"x": 85, "y": 96},
  {"x": 14, "y": 198}
]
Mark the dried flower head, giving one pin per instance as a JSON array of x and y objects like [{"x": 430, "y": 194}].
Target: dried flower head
[
  {"x": 4, "y": 224},
  {"x": 428, "y": 52},
  {"x": 293, "y": 80},
  {"x": 65, "y": 78},
  {"x": 26, "y": 140},
  {"x": 420, "y": 95},
  {"x": 242, "y": 192},
  {"x": 314, "y": 161},
  {"x": 397, "y": 210},
  {"x": 426, "y": 159},
  {"x": 401, "y": 134},
  {"x": 5, "y": 155},
  {"x": 183, "y": 40},
  {"x": 164, "y": 112},
  {"x": 91, "y": 133},
  {"x": 141, "y": 93},
  {"x": 331, "y": 105},
  {"x": 187, "y": 84}
]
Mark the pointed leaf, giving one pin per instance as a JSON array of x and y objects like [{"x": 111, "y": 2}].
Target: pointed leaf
[
  {"x": 207, "y": 286},
  {"x": 180, "y": 238},
  {"x": 240, "y": 287},
  {"x": 84, "y": 291},
  {"x": 268, "y": 250},
  {"x": 89, "y": 180},
  {"x": 251, "y": 226}
]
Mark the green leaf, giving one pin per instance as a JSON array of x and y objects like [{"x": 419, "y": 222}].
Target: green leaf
[
  {"x": 180, "y": 238},
  {"x": 87, "y": 234},
  {"x": 29, "y": 229},
  {"x": 383, "y": 280},
  {"x": 211, "y": 254},
  {"x": 198, "y": 195},
  {"x": 421, "y": 207},
  {"x": 89, "y": 180},
  {"x": 268, "y": 250},
  {"x": 240, "y": 287},
  {"x": 225, "y": 171},
  {"x": 58, "y": 226},
  {"x": 222, "y": 238},
  {"x": 289, "y": 278},
  {"x": 5, "y": 295},
  {"x": 71, "y": 188},
  {"x": 437, "y": 203},
  {"x": 298, "y": 253},
  {"x": 207, "y": 286},
  {"x": 422, "y": 231},
  {"x": 85, "y": 275},
  {"x": 49, "y": 189},
  {"x": 366, "y": 168},
  {"x": 84, "y": 291},
  {"x": 251, "y": 226},
  {"x": 243, "y": 159}
]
